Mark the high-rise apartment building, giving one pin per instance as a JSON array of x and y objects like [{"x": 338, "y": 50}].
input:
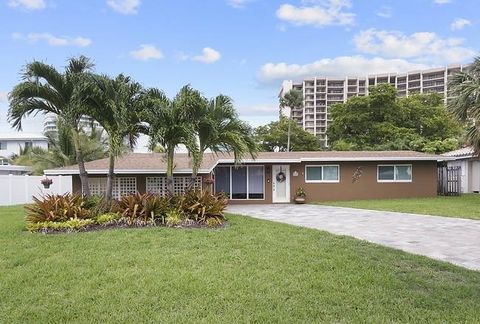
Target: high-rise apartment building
[
  {"x": 50, "y": 124},
  {"x": 320, "y": 93}
]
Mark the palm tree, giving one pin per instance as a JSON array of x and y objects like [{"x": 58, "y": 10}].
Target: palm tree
[
  {"x": 114, "y": 104},
  {"x": 168, "y": 125},
  {"x": 45, "y": 90},
  {"x": 464, "y": 87},
  {"x": 219, "y": 129},
  {"x": 61, "y": 151},
  {"x": 292, "y": 99}
]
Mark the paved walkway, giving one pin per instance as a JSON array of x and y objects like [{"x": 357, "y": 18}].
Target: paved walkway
[{"x": 453, "y": 240}]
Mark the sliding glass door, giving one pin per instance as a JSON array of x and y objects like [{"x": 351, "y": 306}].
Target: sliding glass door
[{"x": 241, "y": 183}]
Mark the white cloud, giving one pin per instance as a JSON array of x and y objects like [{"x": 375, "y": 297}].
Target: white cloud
[
  {"x": 460, "y": 23},
  {"x": 147, "y": 52},
  {"x": 238, "y": 4},
  {"x": 274, "y": 73},
  {"x": 317, "y": 13},
  {"x": 28, "y": 4},
  {"x": 440, "y": 2},
  {"x": 3, "y": 96},
  {"x": 209, "y": 55},
  {"x": 385, "y": 12},
  {"x": 421, "y": 46},
  {"x": 53, "y": 40},
  {"x": 126, "y": 7}
]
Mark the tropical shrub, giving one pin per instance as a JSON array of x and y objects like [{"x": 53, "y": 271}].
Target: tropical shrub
[
  {"x": 107, "y": 218},
  {"x": 173, "y": 218},
  {"x": 57, "y": 208},
  {"x": 72, "y": 224},
  {"x": 204, "y": 207},
  {"x": 142, "y": 207}
]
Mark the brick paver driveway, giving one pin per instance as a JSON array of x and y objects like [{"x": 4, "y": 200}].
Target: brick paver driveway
[{"x": 453, "y": 240}]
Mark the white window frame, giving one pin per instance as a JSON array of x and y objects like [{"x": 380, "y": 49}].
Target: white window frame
[
  {"x": 321, "y": 166},
  {"x": 248, "y": 188},
  {"x": 394, "y": 173}
]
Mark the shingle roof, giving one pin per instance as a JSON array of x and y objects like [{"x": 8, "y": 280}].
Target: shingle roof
[{"x": 156, "y": 162}]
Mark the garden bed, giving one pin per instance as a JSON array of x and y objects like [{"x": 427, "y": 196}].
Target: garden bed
[{"x": 73, "y": 213}]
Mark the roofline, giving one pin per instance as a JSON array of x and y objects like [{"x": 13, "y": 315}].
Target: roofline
[
  {"x": 124, "y": 171},
  {"x": 256, "y": 161}
]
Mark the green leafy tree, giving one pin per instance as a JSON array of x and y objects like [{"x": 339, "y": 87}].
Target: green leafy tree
[
  {"x": 292, "y": 99},
  {"x": 219, "y": 129},
  {"x": 115, "y": 105},
  {"x": 464, "y": 87},
  {"x": 46, "y": 90},
  {"x": 61, "y": 151},
  {"x": 273, "y": 137},
  {"x": 381, "y": 121},
  {"x": 168, "y": 125}
]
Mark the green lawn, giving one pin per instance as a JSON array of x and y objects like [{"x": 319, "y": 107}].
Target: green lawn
[
  {"x": 464, "y": 206},
  {"x": 250, "y": 271}
]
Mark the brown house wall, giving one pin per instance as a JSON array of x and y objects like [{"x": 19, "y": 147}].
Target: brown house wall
[{"x": 424, "y": 183}]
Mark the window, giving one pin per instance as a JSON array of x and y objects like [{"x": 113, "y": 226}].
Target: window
[
  {"x": 394, "y": 173},
  {"x": 3, "y": 145},
  {"x": 322, "y": 173},
  {"x": 28, "y": 145},
  {"x": 239, "y": 183},
  {"x": 245, "y": 182}
]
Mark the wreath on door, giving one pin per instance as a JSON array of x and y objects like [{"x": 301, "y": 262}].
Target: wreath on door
[{"x": 281, "y": 176}]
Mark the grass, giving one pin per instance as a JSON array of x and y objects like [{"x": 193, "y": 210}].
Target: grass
[
  {"x": 464, "y": 206},
  {"x": 250, "y": 271}
]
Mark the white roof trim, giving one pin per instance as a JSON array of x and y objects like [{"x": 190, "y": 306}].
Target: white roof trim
[
  {"x": 124, "y": 171},
  {"x": 258, "y": 161}
]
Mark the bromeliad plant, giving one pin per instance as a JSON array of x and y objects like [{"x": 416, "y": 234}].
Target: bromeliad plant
[{"x": 57, "y": 208}]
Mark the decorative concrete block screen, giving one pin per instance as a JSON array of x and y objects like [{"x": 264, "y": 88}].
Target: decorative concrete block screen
[
  {"x": 158, "y": 185},
  {"x": 122, "y": 186},
  {"x": 19, "y": 189}
]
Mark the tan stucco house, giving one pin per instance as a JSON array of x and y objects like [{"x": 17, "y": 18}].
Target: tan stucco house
[{"x": 273, "y": 177}]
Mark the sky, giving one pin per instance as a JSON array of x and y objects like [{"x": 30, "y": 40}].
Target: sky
[{"x": 240, "y": 48}]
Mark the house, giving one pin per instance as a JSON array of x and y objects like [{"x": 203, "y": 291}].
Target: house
[
  {"x": 469, "y": 162},
  {"x": 13, "y": 143},
  {"x": 273, "y": 177}
]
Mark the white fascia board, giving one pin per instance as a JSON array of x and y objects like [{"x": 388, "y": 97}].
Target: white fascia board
[{"x": 124, "y": 171}]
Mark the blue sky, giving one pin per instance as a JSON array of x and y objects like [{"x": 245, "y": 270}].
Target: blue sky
[{"x": 242, "y": 48}]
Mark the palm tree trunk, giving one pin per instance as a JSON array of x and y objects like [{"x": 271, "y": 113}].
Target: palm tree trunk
[
  {"x": 110, "y": 176},
  {"x": 81, "y": 164},
  {"x": 170, "y": 155}
]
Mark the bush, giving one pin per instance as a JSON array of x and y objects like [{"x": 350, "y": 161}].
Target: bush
[
  {"x": 173, "y": 218},
  {"x": 73, "y": 224},
  {"x": 57, "y": 208},
  {"x": 107, "y": 218},
  {"x": 204, "y": 207},
  {"x": 142, "y": 207}
]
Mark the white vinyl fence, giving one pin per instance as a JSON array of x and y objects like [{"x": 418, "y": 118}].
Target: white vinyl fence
[{"x": 19, "y": 189}]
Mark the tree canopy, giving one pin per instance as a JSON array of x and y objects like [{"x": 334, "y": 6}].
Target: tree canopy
[
  {"x": 274, "y": 137},
  {"x": 381, "y": 121}
]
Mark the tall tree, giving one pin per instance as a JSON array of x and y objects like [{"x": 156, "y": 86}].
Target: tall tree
[
  {"x": 381, "y": 121},
  {"x": 44, "y": 90},
  {"x": 168, "y": 125},
  {"x": 61, "y": 151},
  {"x": 219, "y": 129},
  {"x": 292, "y": 99},
  {"x": 464, "y": 89},
  {"x": 115, "y": 105},
  {"x": 273, "y": 137}
]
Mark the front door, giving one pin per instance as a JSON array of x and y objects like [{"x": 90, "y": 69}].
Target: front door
[{"x": 281, "y": 184}]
